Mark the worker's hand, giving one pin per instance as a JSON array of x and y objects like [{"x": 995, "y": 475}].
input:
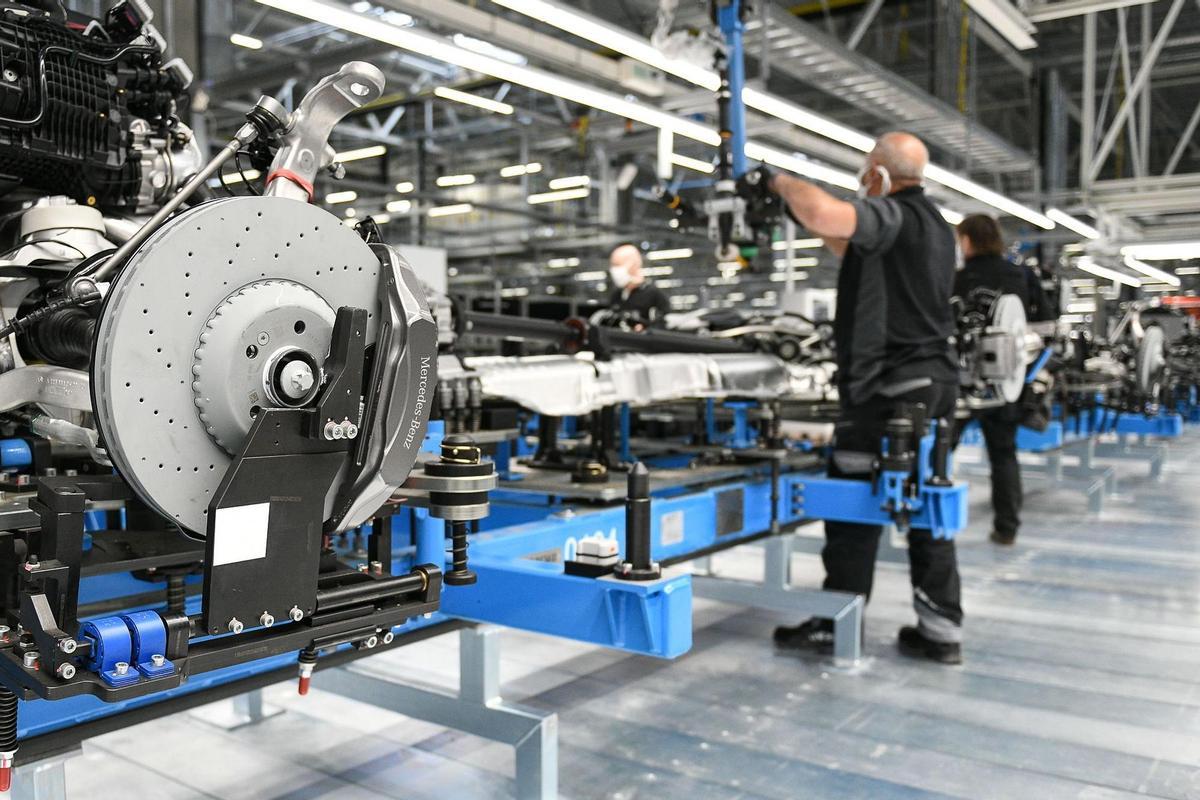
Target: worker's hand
[{"x": 755, "y": 186}]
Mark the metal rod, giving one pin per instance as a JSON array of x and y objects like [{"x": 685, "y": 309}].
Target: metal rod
[
  {"x": 1184, "y": 141},
  {"x": 1088, "y": 113},
  {"x": 369, "y": 591},
  {"x": 864, "y": 22},
  {"x": 247, "y": 134}
]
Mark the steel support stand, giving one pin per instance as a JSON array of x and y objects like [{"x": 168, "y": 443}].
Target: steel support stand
[
  {"x": 776, "y": 593},
  {"x": 1095, "y": 483},
  {"x": 42, "y": 780},
  {"x": 1155, "y": 454},
  {"x": 477, "y": 708},
  {"x": 237, "y": 712}
]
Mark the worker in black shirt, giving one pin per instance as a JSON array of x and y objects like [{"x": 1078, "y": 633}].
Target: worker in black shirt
[
  {"x": 892, "y": 332},
  {"x": 986, "y": 267},
  {"x": 631, "y": 292}
]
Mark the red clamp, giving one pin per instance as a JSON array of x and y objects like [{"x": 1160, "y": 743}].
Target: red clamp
[{"x": 294, "y": 178}]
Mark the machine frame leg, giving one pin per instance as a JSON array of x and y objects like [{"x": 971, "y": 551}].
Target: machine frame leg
[
  {"x": 477, "y": 708},
  {"x": 776, "y": 593},
  {"x": 42, "y": 780},
  {"x": 237, "y": 712}
]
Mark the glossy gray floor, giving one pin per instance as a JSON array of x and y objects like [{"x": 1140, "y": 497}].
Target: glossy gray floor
[{"x": 1082, "y": 656}]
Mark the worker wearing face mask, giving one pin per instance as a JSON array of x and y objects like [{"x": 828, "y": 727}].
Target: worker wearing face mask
[
  {"x": 631, "y": 293},
  {"x": 892, "y": 332}
]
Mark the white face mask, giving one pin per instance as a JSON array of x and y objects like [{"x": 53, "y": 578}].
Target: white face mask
[
  {"x": 619, "y": 276},
  {"x": 885, "y": 180}
]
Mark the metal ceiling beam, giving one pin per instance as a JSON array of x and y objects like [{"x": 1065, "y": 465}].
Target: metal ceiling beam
[
  {"x": 1139, "y": 83},
  {"x": 1045, "y": 12}
]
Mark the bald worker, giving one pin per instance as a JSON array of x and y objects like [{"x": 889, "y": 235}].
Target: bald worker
[
  {"x": 631, "y": 293},
  {"x": 892, "y": 330}
]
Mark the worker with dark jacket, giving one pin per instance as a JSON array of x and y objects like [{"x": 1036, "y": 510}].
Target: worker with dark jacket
[
  {"x": 986, "y": 267},
  {"x": 892, "y": 331},
  {"x": 632, "y": 293}
]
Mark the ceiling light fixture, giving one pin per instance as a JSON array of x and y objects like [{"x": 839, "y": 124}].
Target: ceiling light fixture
[
  {"x": 1088, "y": 265},
  {"x": 446, "y": 181},
  {"x": 1072, "y": 224},
  {"x": 1152, "y": 272},
  {"x": 348, "y": 196},
  {"x": 1163, "y": 251},
  {"x": 358, "y": 154},
  {"x": 451, "y": 210},
  {"x": 670, "y": 255},
  {"x": 487, "y": 104},
  {"x": 570, "y": 182},
  {"x": 399, "y": 206},
  {"x": 799, "y": 244},
  {"x": 517, "y": 170},
  {"x": 554, "y": 197},
  {"x": 248, "y": 42}
]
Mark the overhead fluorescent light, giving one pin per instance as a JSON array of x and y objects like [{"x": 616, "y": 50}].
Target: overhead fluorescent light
[
  {"x": 1088, "y": 265},
  {"x": 1083, "y": 307},
  {"x": 1187, "y": 270},
  {"x": 1163, "y": 251},
  {"x": 373, "y": 151},
  {"x": 348, "y": 196},
  {"x": 802, "y": 118},
  {"x": 1153, "y": 272},
  {"x": 807, "y": 261},
  {"x": 636, "y": 47},
  {"x": 399, "y": 206},
  {"x": 249, "y": 42},
  {"x": 994, "y": 199},
  {"x": 1010, "y": 23},
  {"x": 487, "y": 104},
  {"x": 570, "y": 182},
  {"x": 799, "y": 244},
  {"x": 599, "y": 32},
  {"x": 451, "y": 210},
  {"x": 598, "y": 275},
  {"x": 455, "y": 180},
  {"x": 655, "y": 272},
  {"x": 669, "y": 255},
  {"x": 517, "y": 170},
  {"x": 381, "y": 218},
  {"x": 351, "y": 213},
  {"x": 487, "y": 49},
  {"x": 1072, "y": 224},
  {"x": 801, "y": 166},
  {"x": 687, "y": 162},
  {"x": 404, "y": 187},
  {"x": 1158, "y": 287},
  {"x": 561, "y": 263},
  {"x": 435, "y": 47},
  {"x": 950, "y": 215},
  {"x": 780, "y": 277},
  {"x": 553, "y": 197}
]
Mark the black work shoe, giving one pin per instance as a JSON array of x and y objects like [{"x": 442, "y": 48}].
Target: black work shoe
[
  {"x": 812, "y": 634},
  {"x": 1006, "y": 539},
  {"x": 915, "y": 644}
]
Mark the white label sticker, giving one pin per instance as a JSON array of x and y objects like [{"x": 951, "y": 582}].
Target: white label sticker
[
  {"x": 240, "y": 533},
  {"x": 671, "y": 528}
]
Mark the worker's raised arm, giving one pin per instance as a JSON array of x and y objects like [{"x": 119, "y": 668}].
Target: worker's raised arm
[{"x": 816, "y": 209}]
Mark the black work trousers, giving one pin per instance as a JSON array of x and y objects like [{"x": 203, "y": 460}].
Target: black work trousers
[
  {"x": 999, "y": 427},
  {"x": 851, "y": 548}
]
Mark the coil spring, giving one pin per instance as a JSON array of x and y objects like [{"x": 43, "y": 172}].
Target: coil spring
[{"x": 8, "y": 721}]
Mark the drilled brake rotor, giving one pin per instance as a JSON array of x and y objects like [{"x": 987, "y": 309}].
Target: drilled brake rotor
[{"x": 174, "y": 380}]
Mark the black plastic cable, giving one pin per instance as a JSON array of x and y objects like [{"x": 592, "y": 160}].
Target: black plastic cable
[{"x": 21, "y": 324}]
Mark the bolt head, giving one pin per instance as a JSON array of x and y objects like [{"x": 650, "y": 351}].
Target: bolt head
[
  {"x": 350, "y": 429},
  {"x": 66, "y": 671},
  {"x": 121, "y": 667},
  {"x": 266, "y": 620},
  {"x": 158, "y": 659},
  {"x": 389, "y": 637},
  {"x": 371, "y": 641},
  {"x": 68, "y": 645},
  {"x": 30, "y": 659},
  {"x": 235, "y": 625},
  {"x": 263, "y": 338},
  {"x": 296, "y": 614}
]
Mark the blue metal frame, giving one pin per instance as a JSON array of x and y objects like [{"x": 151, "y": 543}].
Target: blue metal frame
[{"x": 729, "y": 19}]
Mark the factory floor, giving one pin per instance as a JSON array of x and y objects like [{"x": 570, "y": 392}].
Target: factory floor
[{"x": 1082, "y": 657}]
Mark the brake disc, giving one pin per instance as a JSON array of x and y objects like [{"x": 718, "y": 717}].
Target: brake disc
[
  {"x": 1008, "y": 319},
  {"x": 1151, "y": 358},
  {"x": 225, "y": 310}
]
